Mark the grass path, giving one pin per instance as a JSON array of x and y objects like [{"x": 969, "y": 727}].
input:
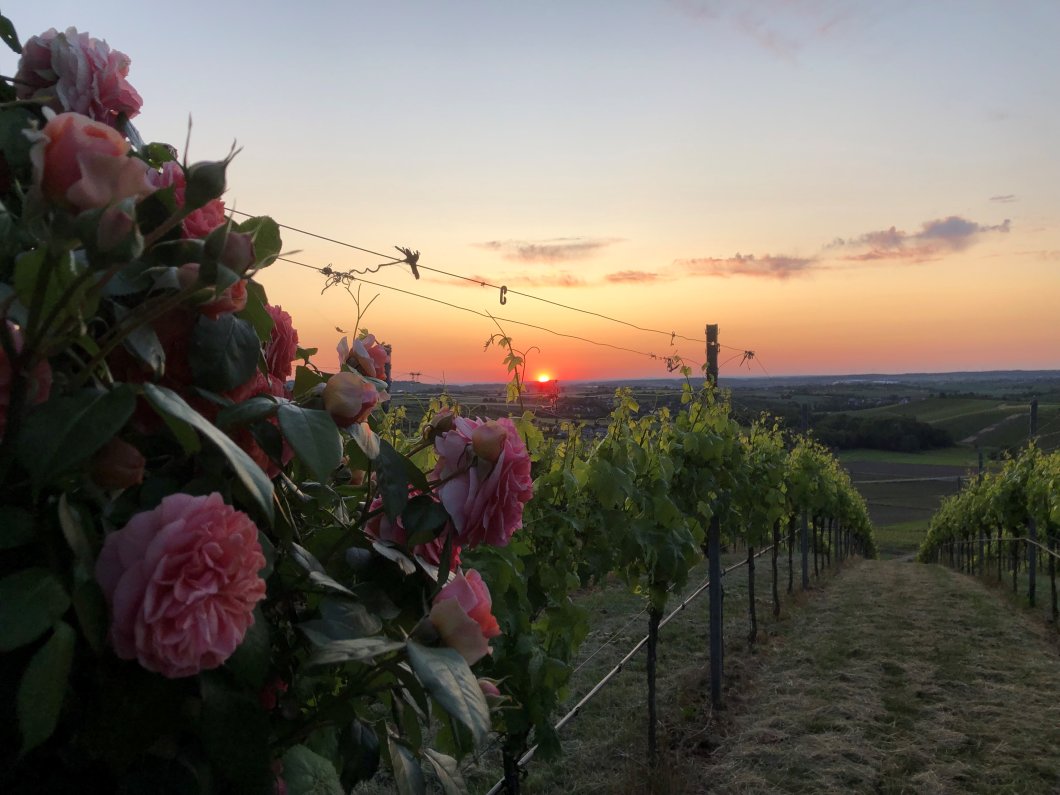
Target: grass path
[{"x": 900, "y": 678}]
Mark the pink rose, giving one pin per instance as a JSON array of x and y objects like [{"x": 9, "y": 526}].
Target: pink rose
[
  {"x": 380, "y": 528},
  {"x": 489, "y": 688},
  {"x": 485, "y": 498},
  {"x": 182, "y": 582},
  {"x": 198, "y": 223},
  {"x": 368, "y": 356},
  {"x": 81, "y": 74},
  {"x": 118, "y": 465},
  {"x": 461, "y": 614},
  {"x": 232, "y": 299},
  {"x": 84, "y": 164},
  {"x": 349, "y": 398},
  {"x": 38, "y": 384},
  {"x": 282, "y": 346}
]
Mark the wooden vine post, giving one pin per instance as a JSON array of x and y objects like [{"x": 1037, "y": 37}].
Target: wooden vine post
[
  {"x": 805, "y": 549},
  {"x": 714, "y": 550}
]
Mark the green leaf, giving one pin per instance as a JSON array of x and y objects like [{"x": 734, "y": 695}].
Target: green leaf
[
  {"x": 43, "y": 687},
  {"x": 266, "y": 235},
  {"x": 224, "y": 352},
  {"x": 169, "y": 404},
  {"x": 70, "y": 520},
  {"x": 250, "y": 410},
  {"x": 317, "y": 573},
  {"x": 355, "y": 650},
  {"x": 252, "y": 659},
  {"x": 58, "y": 273},
  {"x": 359, "y": 746},
  {"x": 91, "y": 610},
  {"x": 157, "y": 154},
  {"x": 143, "y": 343},
  {"x": 393, "y": 479},
  {"x": 255, "y": 313},
  {"x": 341, "y": 621},
  {"x": 31, "y": 600},
  {"x": 13, "y": 143},
  {"x": 423, "y": 518},
  {"x": 308, "y": 773},
  {"x": 314, "y": 437},
  {"x": 9, "y": 36},
  {"x": 448, "y": 771},
  {"x": 449, "y": 679},
  {"x": 16, "y": 527},
  {"x": 63, "y": 432},
  {"x": 235, "y": 733},
  {"x": 305, "y": 380},
  {"x": 408, "y": 775}
]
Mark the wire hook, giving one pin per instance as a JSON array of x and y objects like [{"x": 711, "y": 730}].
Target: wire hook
[{"x": 504, "y": 294}]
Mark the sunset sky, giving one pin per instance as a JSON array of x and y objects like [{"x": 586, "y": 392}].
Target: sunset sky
[{"x": 843, "y": 187}]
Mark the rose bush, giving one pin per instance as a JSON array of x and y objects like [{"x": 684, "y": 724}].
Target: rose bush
[
  {"x": 380, "y": 528},
  {"x": 205, "y": 561}
]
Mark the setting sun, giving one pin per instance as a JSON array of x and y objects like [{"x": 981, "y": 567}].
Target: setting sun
[{"x": 544, "y": 378}]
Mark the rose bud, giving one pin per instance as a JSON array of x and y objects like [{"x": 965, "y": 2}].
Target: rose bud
[
  {"x": 349, "y": 398},
  {"x": 461, "y": 614},
  {"x": 206, "y": 182},
  {"x": 118, "y": 234},
  {"x": 231, "y": 299},
  {"x": 118, "y": 465},
  {"x": 238, "y": 252},
  {"x": 489, "y": 688},
  {"x": 441, "y": 423},
  {"x": 488, "y": 440}
]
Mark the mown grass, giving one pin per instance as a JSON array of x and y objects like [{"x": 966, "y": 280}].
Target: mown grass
[
  {"x": 904, "y": 678},
  {"x": 902, "y": 539},
  {"x": 605, "y": 746}
]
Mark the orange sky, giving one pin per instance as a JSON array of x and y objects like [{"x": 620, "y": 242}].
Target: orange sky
[{"x": 842, "y": 186}]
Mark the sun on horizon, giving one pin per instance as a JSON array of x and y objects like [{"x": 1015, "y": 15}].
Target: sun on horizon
[{"x": 544, "y": 378}]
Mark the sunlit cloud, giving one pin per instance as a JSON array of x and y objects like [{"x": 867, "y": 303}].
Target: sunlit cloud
[
  {"x": 935, "y": 238},
  {"x": 768, "y": 266},
  {"x": 560, "y": 249}
]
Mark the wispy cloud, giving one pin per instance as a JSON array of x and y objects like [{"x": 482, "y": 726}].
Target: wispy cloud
[
  {"x": 560, "y": 249},
  {"x": 632, "y": 277},
  {"x": 1004, "y": 198},
  {"x": 555, "y": 279},
  {"x": 783, "y": 27},
  {"x": 935, "y": 238},
  {"x": 768, "y": 266}
]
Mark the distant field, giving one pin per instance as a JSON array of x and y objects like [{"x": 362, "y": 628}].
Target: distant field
[
  {"x": 903, "y": 492},
  {"x": 948, "y": 456},
  {"x": 988, "y": 423}
]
